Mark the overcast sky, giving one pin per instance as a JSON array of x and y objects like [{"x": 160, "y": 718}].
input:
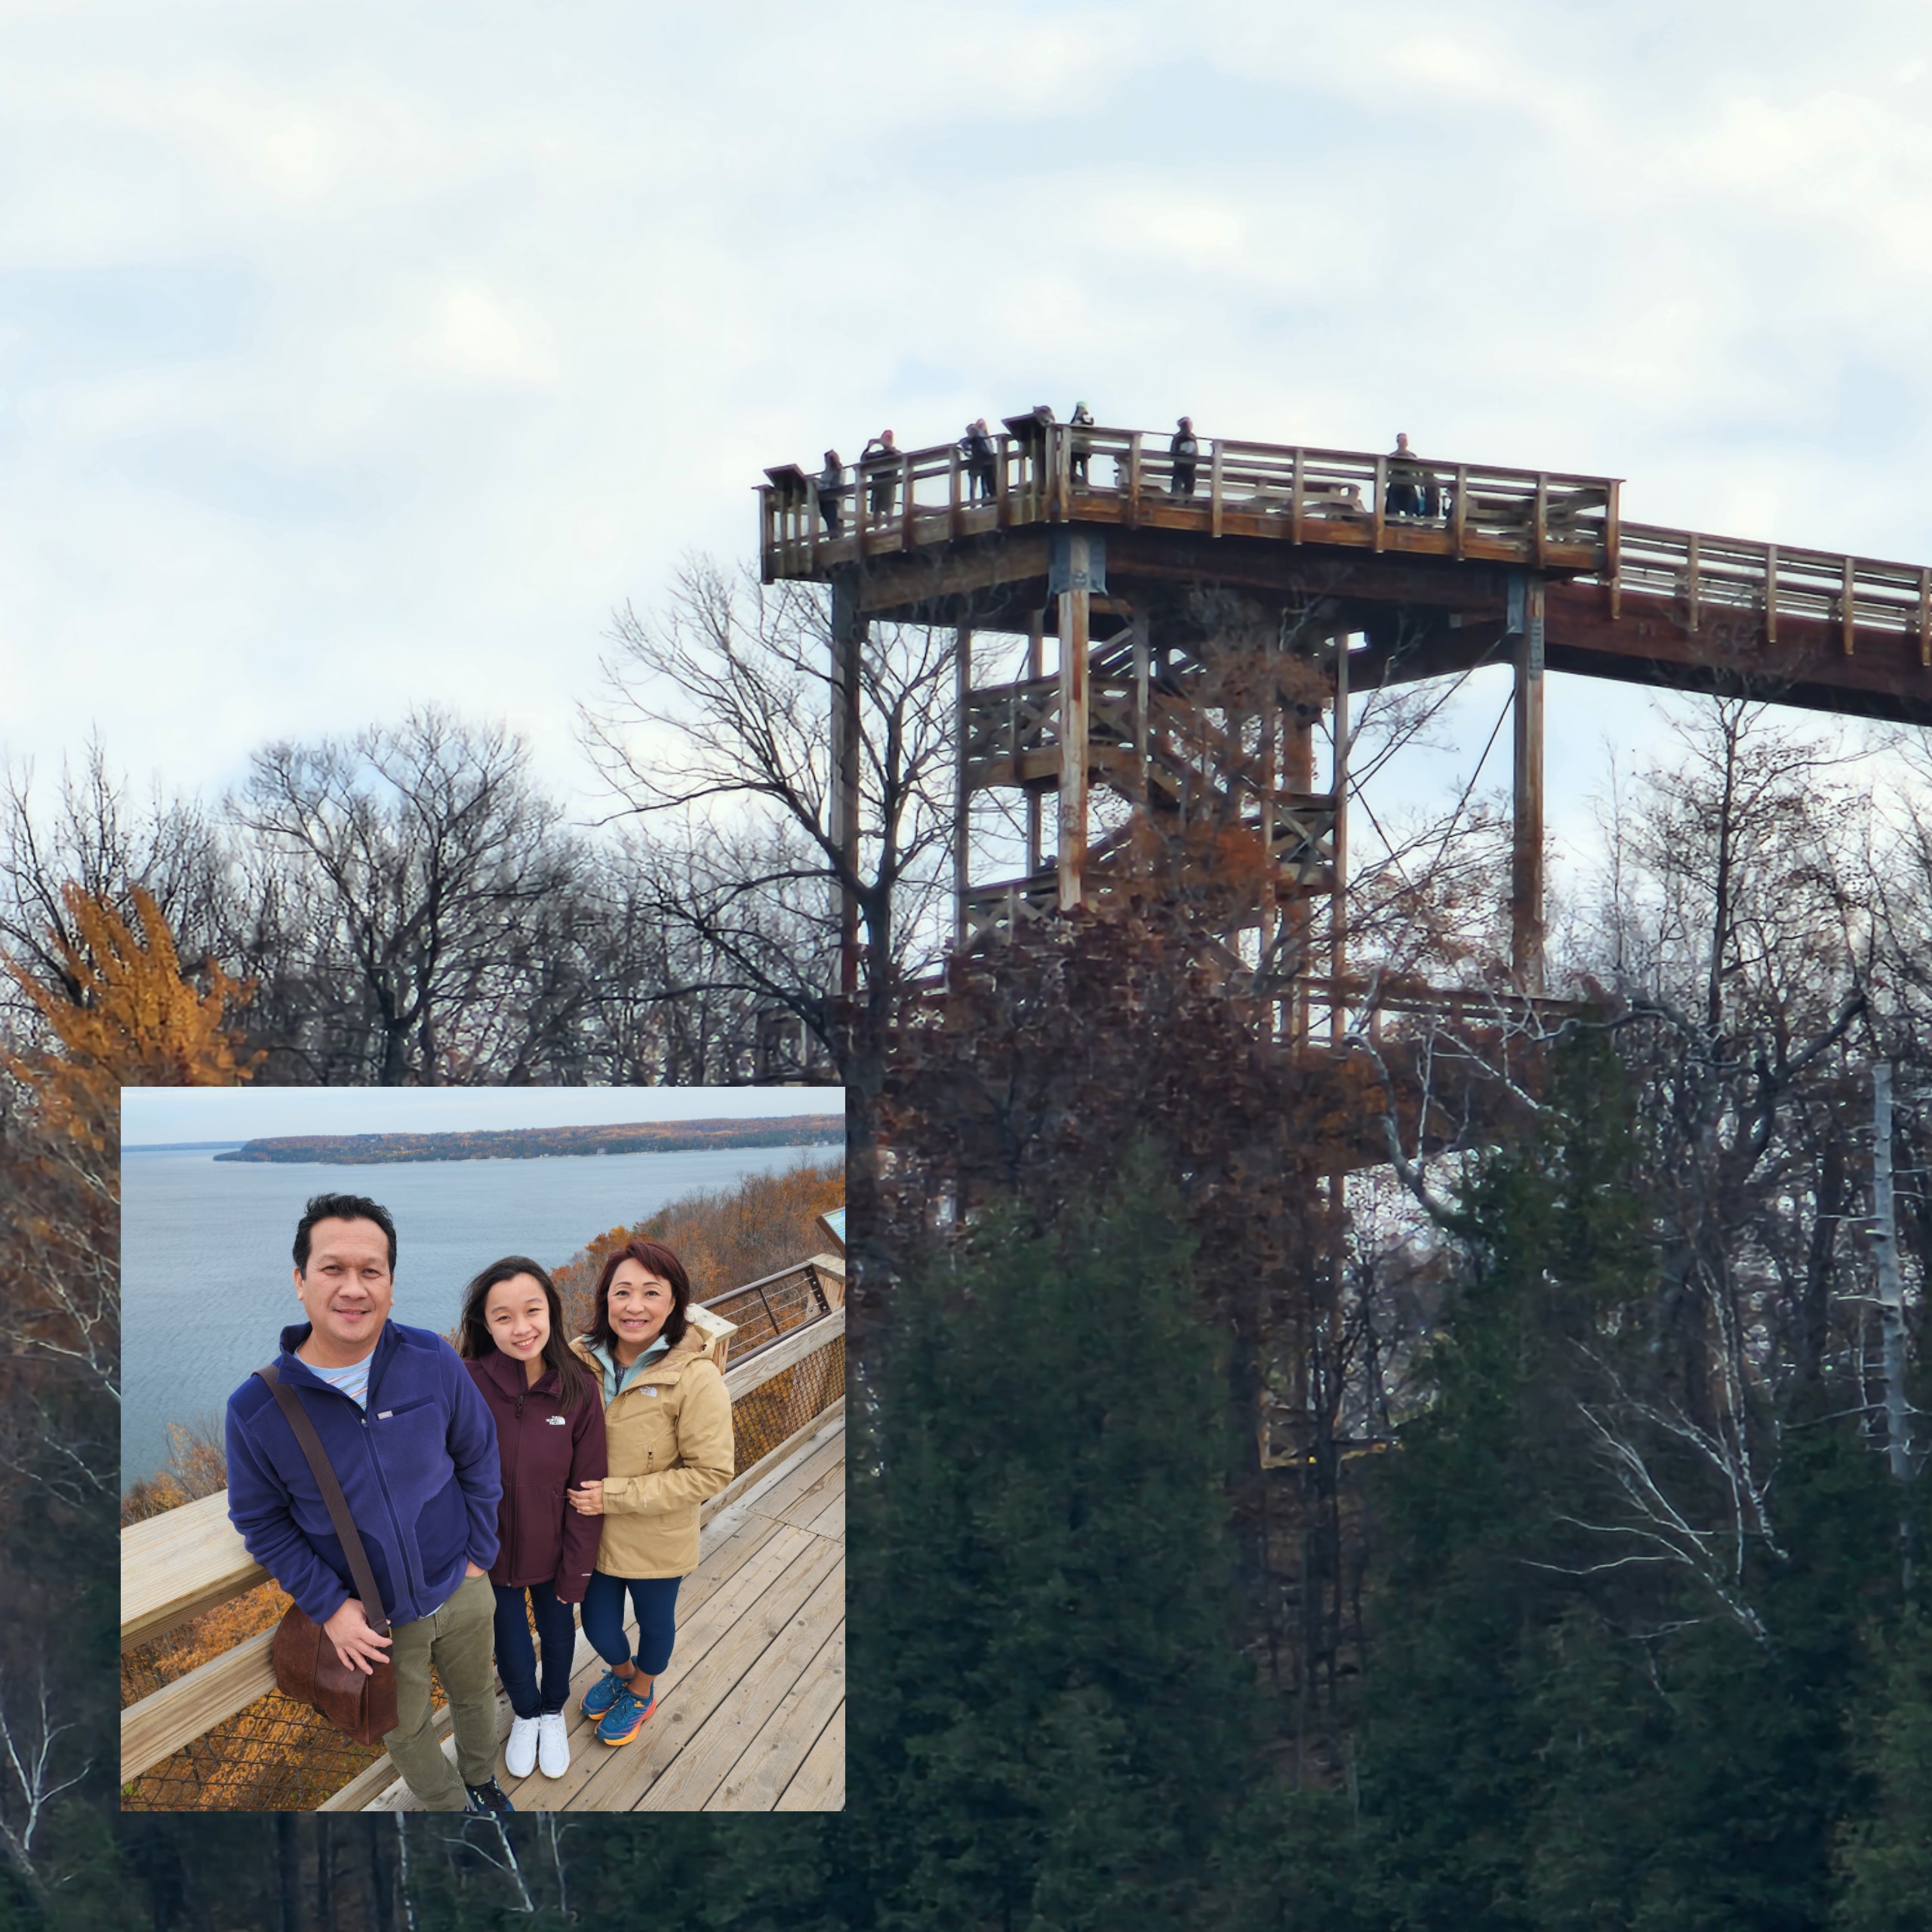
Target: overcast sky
[
  {"x": 356, "y": 354},
  {"x": 153, "y": 1115}
]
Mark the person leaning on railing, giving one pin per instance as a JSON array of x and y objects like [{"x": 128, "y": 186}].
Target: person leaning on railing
[
  {"x": 550, "y": 1418},
  {"x": 667, "y": 1421},
  {"x": 411, "y": 1444}
]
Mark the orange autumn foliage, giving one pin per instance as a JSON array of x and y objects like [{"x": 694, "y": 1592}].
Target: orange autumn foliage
[
  {"x": 137, "y": 1021},
  {"x": 725, "y": 1236}
]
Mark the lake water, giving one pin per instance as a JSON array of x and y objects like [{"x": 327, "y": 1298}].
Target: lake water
[{"x": 207, "y": 1270}]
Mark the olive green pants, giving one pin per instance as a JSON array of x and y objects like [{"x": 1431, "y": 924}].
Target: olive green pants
[{"x": 458, "y": 1638}]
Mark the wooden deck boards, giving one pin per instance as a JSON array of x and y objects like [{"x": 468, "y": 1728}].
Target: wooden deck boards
[{"x": 751, "y": 1711}]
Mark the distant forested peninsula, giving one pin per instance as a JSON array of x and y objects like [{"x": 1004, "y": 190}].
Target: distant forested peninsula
[{"x": 531, "y": 1144}]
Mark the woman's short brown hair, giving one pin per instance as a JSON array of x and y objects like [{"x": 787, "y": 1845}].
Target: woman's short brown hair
[{"x": 656, "y": 1259}]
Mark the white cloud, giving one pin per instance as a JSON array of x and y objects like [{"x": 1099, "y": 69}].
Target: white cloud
[{"x": 385, "y": 351}]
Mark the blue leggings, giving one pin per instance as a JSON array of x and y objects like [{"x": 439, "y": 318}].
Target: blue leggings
[{"x": 655, "y": 1599}]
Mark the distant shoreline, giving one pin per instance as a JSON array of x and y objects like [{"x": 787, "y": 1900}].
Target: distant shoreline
[
  {"x": 177, "y": 1146},
  {"x": 539, "y": 1142}
]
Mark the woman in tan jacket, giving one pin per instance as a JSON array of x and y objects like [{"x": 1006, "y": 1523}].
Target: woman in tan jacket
[{"x": 667, "y": 1422}]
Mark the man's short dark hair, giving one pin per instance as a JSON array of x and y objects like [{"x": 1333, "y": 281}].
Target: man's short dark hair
[{"x": 341, "y": 1207}]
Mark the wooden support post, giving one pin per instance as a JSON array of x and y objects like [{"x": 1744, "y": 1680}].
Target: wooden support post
[
  {"x": 848, "y": 640},
  {"x": 1770, "y": 593},
  {"x": 1381, "y": 499},
  {"x": 1613, "y": 544},
  {"x": 1693, "y": 590},
  {"x": 953, "y": 500},
  {"x": 962, "y": 692},
  {"x": 905, "y": 538},
  {"x": 1298, "y": 777},
  {"x": 1141, "y": 699},
  {"x": 1850, "y": 603},
  {"x": 1214, "y": 488},
  {"x": 1133, "y": 480},
  {"x": 1297, "y": 461},
  {"x": 1458, "y": 511},
  {"x": 1542, "y": 518},
  {"x": 1338, "y": 903},
  {"x": 1036, "y": 663},
  {"x": 1526, "y": 882},
  {"x": 1925, "y": 617},
  {"x": 1073, "y": 629}
]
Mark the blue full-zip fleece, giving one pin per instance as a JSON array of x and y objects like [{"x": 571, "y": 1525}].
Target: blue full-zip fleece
[{"x": 418, "y": 1467}]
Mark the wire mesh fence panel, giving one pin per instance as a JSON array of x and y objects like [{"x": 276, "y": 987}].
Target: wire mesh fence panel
[
  {"x": 765, "y": 1416},
  {"x": 275, "y": 1756}
]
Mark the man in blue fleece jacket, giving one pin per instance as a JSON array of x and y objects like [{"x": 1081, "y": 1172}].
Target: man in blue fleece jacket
[{"x": 411, "y": 1442}]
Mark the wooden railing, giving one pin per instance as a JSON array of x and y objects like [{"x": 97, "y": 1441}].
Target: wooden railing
[
  {"x": 1045, "y": 472},
  {"x": 190, "y": 1560}
]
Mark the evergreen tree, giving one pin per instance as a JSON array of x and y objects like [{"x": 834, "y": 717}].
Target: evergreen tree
[
  {"x": 1885, "y": 1856},
  {"x": 1055, "y": 1725}
]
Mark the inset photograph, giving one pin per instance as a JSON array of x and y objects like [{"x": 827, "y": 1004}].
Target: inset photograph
[{"x": 483, "y": 1449}]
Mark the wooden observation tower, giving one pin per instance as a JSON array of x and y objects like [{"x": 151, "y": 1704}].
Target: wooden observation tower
[{"x": 1188, "y": 626}]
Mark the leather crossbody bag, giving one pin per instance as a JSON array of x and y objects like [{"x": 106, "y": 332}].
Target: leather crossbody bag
[{"x": 306, "y": 1667}]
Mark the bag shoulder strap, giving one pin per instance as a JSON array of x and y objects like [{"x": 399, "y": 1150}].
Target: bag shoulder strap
[{"x": 349, "y": 1536}]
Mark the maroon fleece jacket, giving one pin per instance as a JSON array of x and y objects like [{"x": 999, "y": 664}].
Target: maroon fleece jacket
[{"x": 543, "y": 1451}]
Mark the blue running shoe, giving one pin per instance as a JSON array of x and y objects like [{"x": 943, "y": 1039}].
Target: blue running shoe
[
  {"x": 625, "y": 1718},
  {"x": 602, "y": 1694}
]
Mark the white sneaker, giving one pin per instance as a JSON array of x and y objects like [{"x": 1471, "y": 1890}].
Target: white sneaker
[
  {"x": 553, "y": 1747},
  {"x": 520, "y": 1753}
]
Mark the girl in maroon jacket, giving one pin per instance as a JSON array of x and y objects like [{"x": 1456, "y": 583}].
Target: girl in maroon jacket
[{"x": 549, "y": 1419}]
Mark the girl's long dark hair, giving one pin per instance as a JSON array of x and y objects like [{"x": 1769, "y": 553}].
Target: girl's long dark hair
[
  {"x": 657, "y": 1259},
  {"x": 474, "y": 1340}
]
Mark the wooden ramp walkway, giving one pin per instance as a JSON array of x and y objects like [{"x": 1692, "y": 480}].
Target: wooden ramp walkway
[{"x": 751, "y": 1713}]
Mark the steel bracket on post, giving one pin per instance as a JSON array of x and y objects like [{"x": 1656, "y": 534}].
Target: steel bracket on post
[{"x": 1076, "y": 560}]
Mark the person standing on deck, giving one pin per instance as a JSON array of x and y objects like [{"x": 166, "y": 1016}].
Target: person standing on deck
[
  {"x": 977, "y": 446},
  {"x": 549, "y": 1419},
  {"x": 412, "y": 1445},
  {"x": 667, "y": 1420},
  {"x": 831, "y": 486},
  {"x": 1406, "y": 479},
  {"x": 880, "y": 459},
  {"x": 1081, "y": 443},
  {"x": 1185, "y": 450}
]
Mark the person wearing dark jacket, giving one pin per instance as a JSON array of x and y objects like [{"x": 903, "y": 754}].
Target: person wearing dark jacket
[
  {"x": 1184, "y": 450},
  {"x": 411, "y": 1443},
  {"x": 549, "y": 1435},
  {"x": 981, "y": 461}
]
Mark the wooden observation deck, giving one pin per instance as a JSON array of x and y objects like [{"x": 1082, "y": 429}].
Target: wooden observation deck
[{"x": 1328, "y": 568}]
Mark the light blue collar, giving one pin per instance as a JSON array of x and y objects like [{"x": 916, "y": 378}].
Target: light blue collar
[{"x": 616, "y": 1380}]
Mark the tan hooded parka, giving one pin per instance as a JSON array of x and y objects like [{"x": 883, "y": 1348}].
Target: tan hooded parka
[{"x": 669, "y": 1435}]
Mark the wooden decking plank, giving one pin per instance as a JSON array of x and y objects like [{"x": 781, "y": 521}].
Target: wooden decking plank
[
  {"x": 692, "y": 1699},
  {"x": 771, "y": 1759},
  {"x": 696, "y": 1640},
  {"x": 807, "y": 1503},
  {"x": 820, "y": 1785},
  {"x": 714, "y": 1749},
  {"x": 827, "y": 1519},
  {"x": 827, "y": 1458}
]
